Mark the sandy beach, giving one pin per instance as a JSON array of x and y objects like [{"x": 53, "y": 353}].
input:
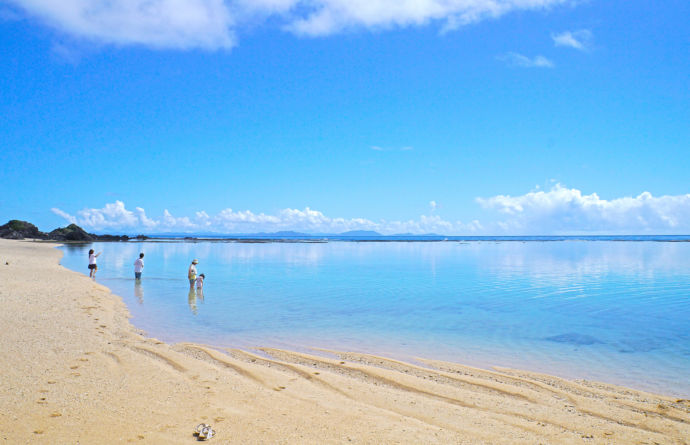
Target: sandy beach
[{"x": 74, "y": 370}]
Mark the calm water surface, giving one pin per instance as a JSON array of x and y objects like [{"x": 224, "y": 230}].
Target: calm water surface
[{"x": 605, "y": 310}]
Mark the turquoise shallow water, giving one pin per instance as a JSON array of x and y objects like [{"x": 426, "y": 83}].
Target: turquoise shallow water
[{"x": 614, "y": 311}]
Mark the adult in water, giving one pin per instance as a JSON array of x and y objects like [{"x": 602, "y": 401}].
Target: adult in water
[
  {"x": 138, "y": 266},
  {"x": 191, "y": 273}
]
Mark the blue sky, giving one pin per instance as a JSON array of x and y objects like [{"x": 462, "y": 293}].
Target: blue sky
[{"x": 455, "y": 117}]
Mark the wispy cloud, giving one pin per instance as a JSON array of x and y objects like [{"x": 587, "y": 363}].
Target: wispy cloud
[
  {"x": 324, "y": 17},
  {"x": 568, "y": 210},
  {"x": 213, "y": 24},
  {"x": 519, "y": 60},
  {"x": 580, "y": 40},
  {"x": 8, "y": 15},
  {"x": 66, "y": 53},
  {"x": 379, "y": 148}
]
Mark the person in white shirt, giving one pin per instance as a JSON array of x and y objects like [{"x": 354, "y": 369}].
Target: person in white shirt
[
  {"x": 138, "y": 267},
  {"x": 93, "y": 267}
]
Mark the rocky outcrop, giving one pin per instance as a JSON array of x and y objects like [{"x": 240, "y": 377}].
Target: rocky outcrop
[
  {"x": 71, "y": 233},
  {"x": 111, "y": 237},
  {"x": 16, "y": 229}
]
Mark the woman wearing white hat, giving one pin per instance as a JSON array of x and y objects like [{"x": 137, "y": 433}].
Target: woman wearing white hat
[{"x": 191, "y": 273}]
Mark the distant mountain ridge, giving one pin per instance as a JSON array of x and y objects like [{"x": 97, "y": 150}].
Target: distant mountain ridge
[
  {"x": 360, "y": 233},
  {"x": 279, "y": 234},
  {"x": 17, "y": 229},
  {"x": 282, "y": 233}
]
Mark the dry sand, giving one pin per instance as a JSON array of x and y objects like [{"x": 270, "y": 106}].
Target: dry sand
[{"x": 74, "y": 370}]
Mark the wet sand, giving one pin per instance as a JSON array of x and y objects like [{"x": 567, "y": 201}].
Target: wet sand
[{"x": 74, "y": 370}]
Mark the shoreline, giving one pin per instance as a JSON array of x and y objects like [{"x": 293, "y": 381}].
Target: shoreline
[{"x": 79, "y": 371}]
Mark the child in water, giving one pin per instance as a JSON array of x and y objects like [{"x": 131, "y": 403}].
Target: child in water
[
  {"x": 200, "y": 281},
  {"x": 93, "y": 267}
]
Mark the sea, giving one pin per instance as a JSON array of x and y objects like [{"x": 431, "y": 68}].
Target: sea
[{"x": 609, "y": 309}]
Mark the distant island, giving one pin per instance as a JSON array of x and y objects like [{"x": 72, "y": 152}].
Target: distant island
[
  {"x": 414, "y": 234},
  {"x": 361, "y": 233}
]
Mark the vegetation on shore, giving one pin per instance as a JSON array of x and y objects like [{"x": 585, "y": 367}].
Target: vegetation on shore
[{"x": 16, "y": 229}]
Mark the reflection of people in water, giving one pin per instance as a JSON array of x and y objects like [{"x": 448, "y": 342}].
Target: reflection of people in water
[
  {"x": 191, "y": 299},
  {"x": 139, "y": 291}
]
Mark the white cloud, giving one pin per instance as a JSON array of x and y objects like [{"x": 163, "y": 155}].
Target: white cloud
[
  {"x": 565, "y": 210},
  {"x": 559, "y": 210},
  {"x": 115, "y": 216},
  {"x": 145, "y": 222},
  {"x": 155, "y": 23},
  {"x": 212, "y": 24},
  {"x": 515, "y": 59},
  {"x": 580, "y": 40}
]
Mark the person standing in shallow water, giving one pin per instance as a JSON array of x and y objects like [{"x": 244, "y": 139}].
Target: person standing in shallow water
[
  {"x": 93, "y": 267},
  {"x": 191, "y": 274},
  {"x": 139, "y": 267}
]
